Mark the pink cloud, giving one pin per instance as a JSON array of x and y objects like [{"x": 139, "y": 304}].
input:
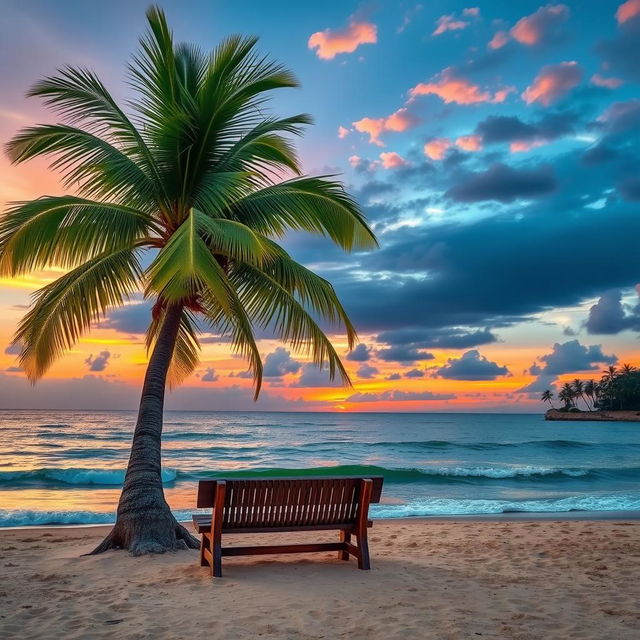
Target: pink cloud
[
  {"x": 329, "y": 43},
  {"x": 436, "y": 148},
  {"x": 602, "y": 81},
  {"x": 628, "y": 10},
  {"x": 499, "y": 40},
  {"x": 538, "y": 26},
  {"x": 519, "y": 146},
  {"x": 552, "y": 83},
  {"x": 343, "y": 132},
  {"x": 471, "y": 11},
  {"x": 392, "y": 160},
  {"x": 448, "y": 23},
  {"x": 469, "y": 143},
  {"x": 399, "y": 120},
  {"x": 450, "y": 88},
  {"x": 501, "y": 94},
  {"x": 355, "y": 161}
]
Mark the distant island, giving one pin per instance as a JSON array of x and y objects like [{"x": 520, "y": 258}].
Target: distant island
[
  {"x": 615, "y": 398},
  {"x": 603, "y": 416}
]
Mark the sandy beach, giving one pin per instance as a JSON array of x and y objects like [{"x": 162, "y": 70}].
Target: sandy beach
[{"x": 430, "y": 579}]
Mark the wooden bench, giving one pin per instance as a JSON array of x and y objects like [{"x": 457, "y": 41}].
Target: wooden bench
[{"x": 276, "y": 505}]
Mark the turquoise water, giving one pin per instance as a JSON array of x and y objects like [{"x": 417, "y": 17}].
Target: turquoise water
[{"x": 66, "y": 467}]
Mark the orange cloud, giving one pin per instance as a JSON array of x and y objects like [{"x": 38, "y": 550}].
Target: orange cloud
[
  {"x": 628, "y": 10},
  {"x": 499, "y": 40},
  {"x": 355, "y": 161},
  {"x": 552, "y": 83},
  {"x": 469, "y": 143},
  {"x": 451, "y": 88},
  {"x": 602, "y": 81},
  {"x": 343, "y": 132},
  {"x": 436, "y": 148},
  {"x": 532, "y": 29},
  {"x": 400, "y": 120},
  {"x": 392, "y": 160},
  {"x": 329, "y": 43}
]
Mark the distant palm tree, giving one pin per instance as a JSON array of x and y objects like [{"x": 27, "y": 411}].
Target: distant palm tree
[
  {"x": 567, "y": 395},
  {"x": 590, "y": 390},
  {"x": 547, "y": 396},
  {"x": 610, "y": 373},
  {"x": 578, "y": 390},
  {"x": 627, "y": 368},
  {"x": 194, "y": 180}
]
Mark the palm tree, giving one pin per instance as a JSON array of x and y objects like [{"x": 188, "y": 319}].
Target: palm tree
[
  {"x": 182, "y": 199},
  {"x": 609, "y": 374},
  {"x": 567, "y": 395},
  {"x": 547, "y": 396},
  {"x": 578, "y": 390},
  {"x": 590, "y": 390},
  {"x": 627, "y": 368}
]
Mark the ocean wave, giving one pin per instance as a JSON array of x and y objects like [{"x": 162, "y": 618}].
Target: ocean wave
[
  {"x": 72, "y": 476},
  {"x": 453, "y": 506},
  {"x": 429, "y": 474}
]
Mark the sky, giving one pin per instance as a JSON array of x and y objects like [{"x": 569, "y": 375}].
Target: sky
[{"x": 493, "y": 146}]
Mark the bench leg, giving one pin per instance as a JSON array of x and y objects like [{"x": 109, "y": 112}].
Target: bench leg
[
  {"x": 363, "y": 547},
  {"x": 345, "y": 536},
  {"x": 216, "y": 567},
  {"x": 203, "y": 560}
]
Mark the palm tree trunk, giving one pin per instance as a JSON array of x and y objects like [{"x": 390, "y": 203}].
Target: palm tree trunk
[{"x": 144, "y": 522}]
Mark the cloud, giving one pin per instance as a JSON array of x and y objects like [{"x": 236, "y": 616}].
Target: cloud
[
  {"x": 403, "y": 354},
  {"x": 606, "y": 82},
  {"x": 437, "y": 148},
  {"x": 398, "y": 121},
  {"x": 609, "y": 316},
  {"x": 279, "y": 363},
  {"x": 414, "y": 373},
  {"x": 504, "y": 184},
  {"x": 392, "y": 160},
  {"x": 408, "y": 17},
  {"x": 525, "y": 135},
  {"x": 331, "y": 42},
  {"x": 367, "y": 371},
  {"x": 312, "y": 376},
  {"x": 210, "y": 376},
  {"x": 446, "y": 338},
  {"x": 362, "y": 353},
  {"x": 541, "y": 27},
  {"x": 629, "y": 188},
  {"x": 399, "y": 396},
  {"x": 471, "y": 366},
  {"x": 499, "y": 40},
  {"x": 133, "y": 318},
  {"x": 449, "y": 23},
  {"x": 13, "y": 350},
  {"x": 343, "y": 132},
  {"x": 450, "y": 87},
  {"x": 621, "y": 52},
  {"x": 570, "y": 357},
  {"x": 627, "y": 10},
  {"x": 552, "y": 83},
  {"x": 469, "y": 143},
  {"x": 393, "y": 376},
  {"x": 100, "y": 362}
]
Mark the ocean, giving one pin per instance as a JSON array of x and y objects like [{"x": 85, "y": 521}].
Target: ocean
[{"x": 66, "y": 467}]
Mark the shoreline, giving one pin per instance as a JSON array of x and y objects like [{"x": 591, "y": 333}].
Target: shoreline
[
  {"x": 592, "y": 416},
  {"x": 516, "y": 516},
  {"x": 430, "y": 578}
]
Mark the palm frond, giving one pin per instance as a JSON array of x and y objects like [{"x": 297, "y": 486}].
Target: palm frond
[
  {"x": 64, "y": 231},
  {"x": 317, "y": 205},
  {"x": 269, "y": 305},
  {"x": 65, "y": 309}
]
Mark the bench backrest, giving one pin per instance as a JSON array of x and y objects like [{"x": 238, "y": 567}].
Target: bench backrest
[{"x": 287, "y": 502}]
